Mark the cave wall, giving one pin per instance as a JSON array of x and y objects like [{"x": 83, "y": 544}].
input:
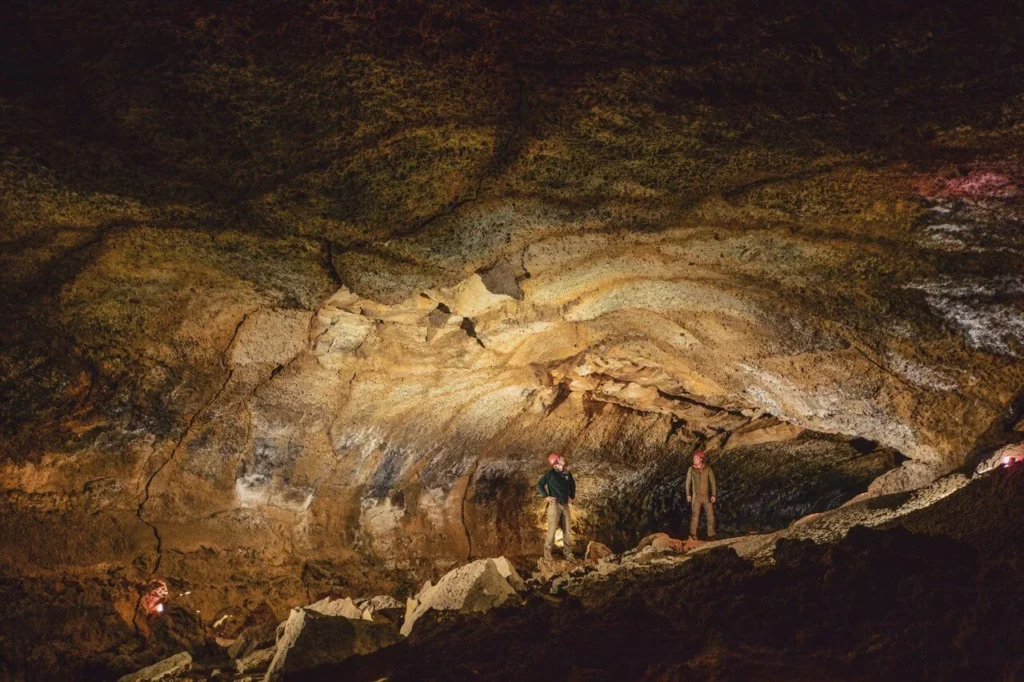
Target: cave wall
[{"x": 300, "y": 294}]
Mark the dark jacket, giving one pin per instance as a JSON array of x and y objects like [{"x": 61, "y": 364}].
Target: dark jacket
[
  {"x": 701, "y": 482},
  {"x": 557, "y": 484}
]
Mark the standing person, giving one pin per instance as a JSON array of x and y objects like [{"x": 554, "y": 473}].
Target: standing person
[
  {"x": 701, "y": 491},
  {"x": 559, "y": 488}
]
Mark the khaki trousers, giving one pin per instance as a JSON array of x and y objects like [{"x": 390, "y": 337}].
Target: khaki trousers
[
  {"x": 709, "y": 511},
  {"x": 559, "y": 516}
]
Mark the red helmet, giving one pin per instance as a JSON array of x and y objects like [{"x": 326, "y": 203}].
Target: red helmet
[
  {"x": 553, "y": 458},
  {"x": 700, "y": 454}
]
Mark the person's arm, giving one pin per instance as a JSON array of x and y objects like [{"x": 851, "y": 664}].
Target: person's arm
[
  {"x": 572, "y": 487},
  {"x": 714, "y": 485},
  {"x": 689, "y": 485},
  {"x": 541, "y": 486}
]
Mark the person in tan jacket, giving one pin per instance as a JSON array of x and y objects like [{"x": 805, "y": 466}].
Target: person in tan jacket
[{"x": 701, "y": 491}]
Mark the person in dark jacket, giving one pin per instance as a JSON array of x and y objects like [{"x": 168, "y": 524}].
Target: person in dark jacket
[
  {"x": 558, "y": 487},
  {"x": 701, "y": 491}
]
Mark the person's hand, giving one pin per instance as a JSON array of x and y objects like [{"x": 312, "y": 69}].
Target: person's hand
[
  {"x": 549, "y": 498},
  {"x": 689, "y": 499},
  {"x": 713, "y": 498}
]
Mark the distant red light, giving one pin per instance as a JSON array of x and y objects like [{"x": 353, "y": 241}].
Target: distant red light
[{"x": 154, "y": 597}]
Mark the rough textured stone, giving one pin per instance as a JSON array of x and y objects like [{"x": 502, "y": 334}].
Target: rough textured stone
[
  {"x": 257, "y": 637},
  {"x": 344, "y": 608},
  {"x": 663, "y": 543},
  {"x": 167, "y": 669},
  {"x": 284, "y": 323},
  {"x": 597, "y": 551},
  {"x": 256, "y": 662},
  {"x": 478, "y": 586},
  {"x": 309, "y": 639},
  {"x": 649, "y": 540}
]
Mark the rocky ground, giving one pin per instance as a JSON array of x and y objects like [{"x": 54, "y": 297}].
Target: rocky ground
[
  {"x": 924, "y": 589},
  {"x": 906, "y": 602}
]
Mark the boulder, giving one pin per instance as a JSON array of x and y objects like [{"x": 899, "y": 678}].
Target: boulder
[
  {"x": 648, "y": 540},
  {"x": 549, "y": 568},
  {"x": 508, "y": 572},
  {"x": 344, "y": 608},
  {"x": 383, "y": 609},
  {"x": 378, "y": 603},
  {"x": 478, "y": 586},
  {"x": 166, "y": 669},
  {"x": 310, "y": 639},
  {"x": 597, "y": 551},
  {"x": 262, "y": 636},
  {"x": 664, "y": 543},
  {"x": 256, "y": 662}
]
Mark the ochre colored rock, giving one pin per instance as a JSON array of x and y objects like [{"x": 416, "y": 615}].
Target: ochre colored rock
[
  {"x": 770, "y": 434},
  {"x": 167, "y": 669},
  {"x": 597, "y": 551},
  {"x": 648, "y": 540},
  {"x": 664, "y": 543}
]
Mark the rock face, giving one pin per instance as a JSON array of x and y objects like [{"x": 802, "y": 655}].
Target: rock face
[{"x": 285, "y": 324}]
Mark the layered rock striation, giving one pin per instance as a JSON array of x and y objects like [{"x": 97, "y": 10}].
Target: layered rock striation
[{"x": 299, "y": 295}]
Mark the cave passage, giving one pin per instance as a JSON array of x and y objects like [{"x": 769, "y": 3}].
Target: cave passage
[{"x": 299, "y": 296}]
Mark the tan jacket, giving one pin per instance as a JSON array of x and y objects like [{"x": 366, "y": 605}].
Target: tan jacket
[{"x": 701, "y": 482}]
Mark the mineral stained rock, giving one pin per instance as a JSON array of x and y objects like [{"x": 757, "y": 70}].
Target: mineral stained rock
[{"x": 297, "y": 298}]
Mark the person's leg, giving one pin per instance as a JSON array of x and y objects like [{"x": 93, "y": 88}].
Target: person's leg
[
  {"x": 566, "y": 530},
  {"x": 694, "y": 516},
  {"x": 709, "y": 512},
  {"x": 553, "y": 518}
]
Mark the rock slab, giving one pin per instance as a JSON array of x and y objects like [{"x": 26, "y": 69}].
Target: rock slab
[
  {"x": 478, "y": 586},
  {"x": 164, "y": 670},
  {"x": 310, "y": 639}
]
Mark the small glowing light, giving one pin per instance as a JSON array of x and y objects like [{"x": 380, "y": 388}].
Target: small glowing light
[
  {"x": 159, "y": 608},
  {"x": 1007, "y": 461}
]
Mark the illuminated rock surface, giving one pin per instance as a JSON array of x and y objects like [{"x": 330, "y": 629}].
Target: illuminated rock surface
[{"x": 297, "y": 297}]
